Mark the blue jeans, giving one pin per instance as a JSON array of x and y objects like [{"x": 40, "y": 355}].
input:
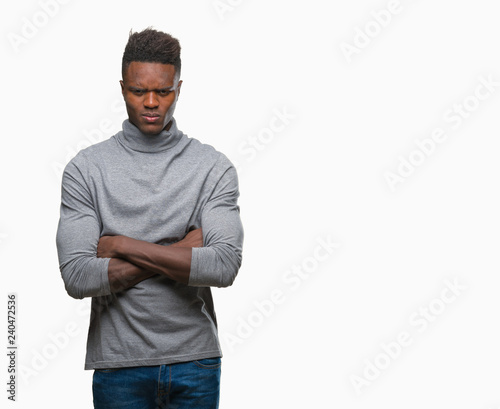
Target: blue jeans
[{"x": 186, "y": 385}]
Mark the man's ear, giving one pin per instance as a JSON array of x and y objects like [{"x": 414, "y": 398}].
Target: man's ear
[
  {"x": 179, "y": 88},
  {"x": 123, "y": 87}
]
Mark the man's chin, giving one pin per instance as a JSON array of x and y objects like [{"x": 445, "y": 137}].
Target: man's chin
[
  {"x": 150, "y": 129},
  {"x": 150, "y": 132}
]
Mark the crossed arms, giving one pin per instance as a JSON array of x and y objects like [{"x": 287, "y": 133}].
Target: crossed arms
[
  {"x": 93, "y": 265},
  {"x": 132, "y": 261}
]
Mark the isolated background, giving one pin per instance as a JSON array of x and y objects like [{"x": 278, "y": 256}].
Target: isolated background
[{"x": 322, "y": 177}]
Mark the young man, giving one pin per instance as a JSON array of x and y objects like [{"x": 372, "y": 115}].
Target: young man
[{"x": 149, "y": 222}]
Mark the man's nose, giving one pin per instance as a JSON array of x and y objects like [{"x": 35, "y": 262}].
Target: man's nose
[{"x": 150, "y": 100}]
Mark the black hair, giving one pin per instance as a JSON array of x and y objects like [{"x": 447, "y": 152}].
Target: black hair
[{"x": 151, "y": 45}]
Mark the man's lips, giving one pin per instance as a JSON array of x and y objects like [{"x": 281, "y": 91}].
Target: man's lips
[{"x": 151, "y": 117}]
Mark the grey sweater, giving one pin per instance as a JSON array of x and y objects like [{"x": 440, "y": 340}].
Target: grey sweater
[{"x": 152, "y": 188}]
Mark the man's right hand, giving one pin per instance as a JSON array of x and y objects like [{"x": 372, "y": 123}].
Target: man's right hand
[{"x": 193, "y": 239}]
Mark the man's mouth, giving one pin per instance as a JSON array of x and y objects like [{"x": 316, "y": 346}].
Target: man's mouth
[{"x": 151, "y": 117}]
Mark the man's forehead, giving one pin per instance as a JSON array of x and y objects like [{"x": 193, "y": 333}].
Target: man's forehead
[{"x": 150, "y": 73}]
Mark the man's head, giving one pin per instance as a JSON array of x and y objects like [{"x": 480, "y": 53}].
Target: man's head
[{"x": 151, "y": 68}]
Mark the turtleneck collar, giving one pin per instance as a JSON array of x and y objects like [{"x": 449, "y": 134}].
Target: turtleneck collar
[{"x": 133, "y": 138}]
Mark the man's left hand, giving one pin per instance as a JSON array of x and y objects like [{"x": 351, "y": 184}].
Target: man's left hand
[{"x": 107, "y": 246}]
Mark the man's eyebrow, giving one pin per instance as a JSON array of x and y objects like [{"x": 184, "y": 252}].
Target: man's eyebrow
[{"x": 133, "y": 88}]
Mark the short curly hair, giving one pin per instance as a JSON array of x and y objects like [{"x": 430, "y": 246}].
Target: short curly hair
[{"x": 151, "y": 45}]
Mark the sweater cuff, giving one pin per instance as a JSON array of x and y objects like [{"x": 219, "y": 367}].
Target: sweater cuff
[
  {"x": 194, "y": 274},
  {"x": 199, "y": 275},
  {"x": 105, "y": 288}
]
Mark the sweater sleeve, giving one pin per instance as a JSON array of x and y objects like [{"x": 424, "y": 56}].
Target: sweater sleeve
[
  {"x": 217, "y": 263},
  {"x": 78, "y": 234}
]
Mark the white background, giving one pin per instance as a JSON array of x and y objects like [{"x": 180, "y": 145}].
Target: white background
[{"x": 351, "y": 119}]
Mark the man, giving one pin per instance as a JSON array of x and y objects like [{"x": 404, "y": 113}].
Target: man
[{"x": 149, "y": 221}]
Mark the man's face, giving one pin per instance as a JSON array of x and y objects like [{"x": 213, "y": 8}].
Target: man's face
[{"x": 150, "y": 91}]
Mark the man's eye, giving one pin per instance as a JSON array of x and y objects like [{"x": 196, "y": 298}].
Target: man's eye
[
  {"x": 138, "y": 92},
  {"x": 163, "y": 93}
]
